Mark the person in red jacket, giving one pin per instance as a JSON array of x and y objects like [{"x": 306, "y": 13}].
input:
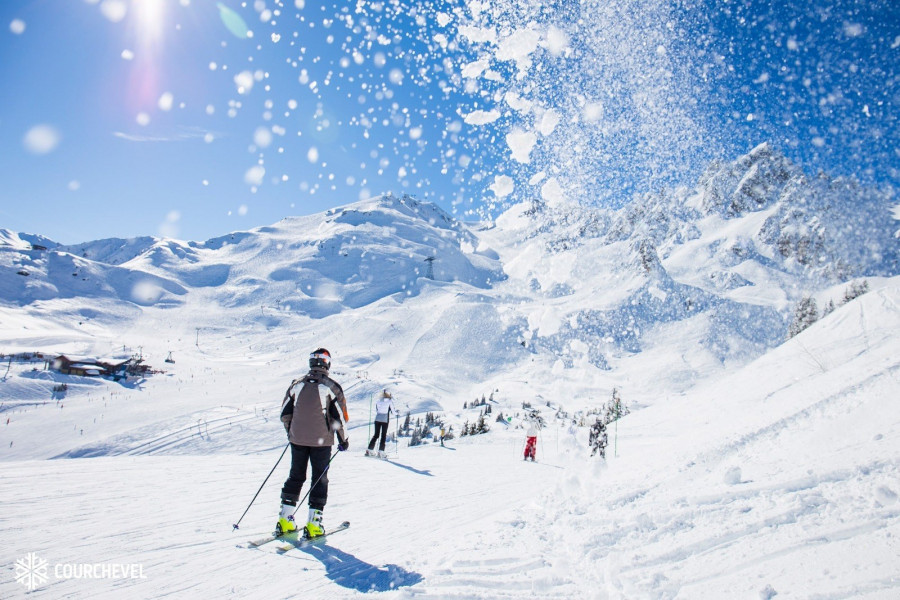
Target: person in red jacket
[
  {"x": 531, "y": 440},
  {"x": 314, "y": 410}
]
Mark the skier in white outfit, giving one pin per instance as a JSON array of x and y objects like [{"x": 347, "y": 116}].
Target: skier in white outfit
[{"x": 383, "y": 409}]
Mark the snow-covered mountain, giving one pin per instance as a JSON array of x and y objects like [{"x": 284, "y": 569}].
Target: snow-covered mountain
[
  {"x": 743, "y": 452},
  {"x": 737, "y": 252},
  {"x": 734, "y": 255}
]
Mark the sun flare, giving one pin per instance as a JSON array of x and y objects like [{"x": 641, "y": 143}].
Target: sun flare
[{"x": 149, "y": 19}]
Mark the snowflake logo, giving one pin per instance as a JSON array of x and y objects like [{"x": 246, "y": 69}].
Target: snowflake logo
[{"x": 31, "y": 571}]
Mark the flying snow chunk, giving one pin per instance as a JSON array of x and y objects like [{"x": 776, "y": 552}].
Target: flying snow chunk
[
  {"x": 518, "y": 47},
  {"x": 17, "y": 26},
  {"x": 233, "y": 22},
  {"x": 243, "y": 210},
  {"x": 853, "y": 29},
  {"x": 313, "y": 155},
  {"x": 516, "y": 102},
  {"x": 244, "y": 82},
  {"x": 482, "y": 117},
  {"x": 41, "y": 139},
  {"x": 127, "y": 54},
  {"x": 254, "y": 175},
  {"x": 146, "y": 292},
  {"x": 262, "y": 137},
  {"x": 593, "y": 112},
  {"x": 474, "y": 70},
  {"x": 478, "y": 35},
  {"x": 732, "y": 476},
  {"x": 557, "y": 42},
  {"x": 553, "y": 194},
  {"x": 143, "y": 119},
  {"x": 165, "y": 101},
  {"x": 520, "y": 143},
  {"x": 503, "y": 186},
  {"x": 114, "y": 10},
  {"x": 169, "y": 227},
  {"x": 537, "y": 178},
  {"x": 549, "y": 122}
]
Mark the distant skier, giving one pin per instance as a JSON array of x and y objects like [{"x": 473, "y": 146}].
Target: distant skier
[
  {"x": 531, "y": 439},
  {"x": 383, "y": 409},
  {"x": 311, "y": 417},
  {"x": 597, "y": 440}
]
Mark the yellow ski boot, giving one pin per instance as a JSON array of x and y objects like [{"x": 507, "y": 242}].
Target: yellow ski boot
[
  {"x": 314, "y": 524},
  {"x": 286, "y": 520}
]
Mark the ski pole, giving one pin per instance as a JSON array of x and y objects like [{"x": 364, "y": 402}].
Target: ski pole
[
  {"x": 260, "y": 488},
  {"x": 316, "y": 483},
  {"x": 541, "y": 438},
  {"x": 397, "y": 434},
  {"x": 369, "y": 430},
  {"x": 616, "y": 441}
]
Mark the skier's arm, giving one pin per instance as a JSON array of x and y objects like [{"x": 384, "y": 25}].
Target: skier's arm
[
  {"x": 339, "y": 398},
  {"x": 337, "y": 425},
  {"x": 287, "y": 408}
]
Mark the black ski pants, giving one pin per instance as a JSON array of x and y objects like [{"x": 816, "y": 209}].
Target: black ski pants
[
  {"x": 318, "y": 457},
  {"x": 380, "y": 430}
]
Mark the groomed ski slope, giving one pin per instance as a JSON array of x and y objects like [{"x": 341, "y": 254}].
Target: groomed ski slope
[{"x": 779, "y": 479}]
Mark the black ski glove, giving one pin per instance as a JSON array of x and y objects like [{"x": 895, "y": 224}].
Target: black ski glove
[{"x": 343, "y": 444}]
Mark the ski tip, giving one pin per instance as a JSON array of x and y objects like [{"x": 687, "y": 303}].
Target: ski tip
[{"x": 345, "y": 524}]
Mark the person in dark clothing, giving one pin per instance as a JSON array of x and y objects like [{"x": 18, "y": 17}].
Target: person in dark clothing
[
  {"x": 311, "y": 416},
  {"x": 598, "y": 439}
]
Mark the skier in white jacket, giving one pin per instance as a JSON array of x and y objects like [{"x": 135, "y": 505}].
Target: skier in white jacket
[{"x": 383, "y": 409}]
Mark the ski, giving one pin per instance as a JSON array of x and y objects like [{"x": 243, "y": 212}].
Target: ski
[
  {"x": 300, "y": 542},
  {"x": 265, "y": 540},
  {"x": 294, "y": 537}
]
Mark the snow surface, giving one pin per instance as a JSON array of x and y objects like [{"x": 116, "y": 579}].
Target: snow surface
[{"x": 775, "y": 476}]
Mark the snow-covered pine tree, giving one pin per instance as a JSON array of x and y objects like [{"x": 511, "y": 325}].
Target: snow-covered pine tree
[
  {"x": 482, "y": 426},
  {"x": 615, "y": 408},
  {"x": 805, "y": 315},
  {"x": 855, "y": 291}
]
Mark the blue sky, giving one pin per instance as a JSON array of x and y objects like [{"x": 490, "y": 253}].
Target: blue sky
[{"x": 121, "y": 118}]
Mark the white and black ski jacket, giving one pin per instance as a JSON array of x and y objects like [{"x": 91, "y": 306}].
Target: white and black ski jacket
[{"x": 314, "y": 409}]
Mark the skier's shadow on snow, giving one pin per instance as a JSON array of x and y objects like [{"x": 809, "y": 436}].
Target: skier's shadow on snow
[
  {"x": 352, "y": 573},
  {"x": 408, "y": 468}
]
